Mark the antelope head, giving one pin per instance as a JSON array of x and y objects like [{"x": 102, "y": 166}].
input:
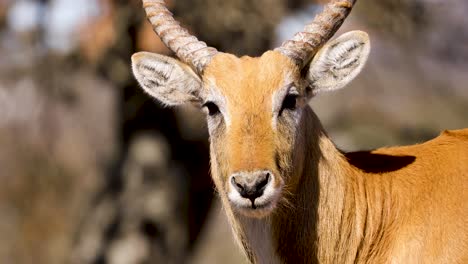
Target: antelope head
[{"x": 254, "y": 106}]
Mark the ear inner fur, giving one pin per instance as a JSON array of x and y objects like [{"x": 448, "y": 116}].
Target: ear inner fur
[
  {"x": 166, "y": 79},
  {"x": 339, "y": 61}
]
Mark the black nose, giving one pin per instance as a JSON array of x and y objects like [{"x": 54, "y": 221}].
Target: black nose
[{"x": 251, "y": 185}]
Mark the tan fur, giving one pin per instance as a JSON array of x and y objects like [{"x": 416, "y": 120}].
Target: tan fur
[
  {"x": 392, "y": 205},
  {"x": 249, "y": 143}
]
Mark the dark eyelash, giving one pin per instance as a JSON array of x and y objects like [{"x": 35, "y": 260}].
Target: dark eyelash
[{"x": 289, "y": 102}]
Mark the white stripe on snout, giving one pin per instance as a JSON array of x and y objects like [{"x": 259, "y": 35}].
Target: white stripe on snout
[
  {"x": 270, "y": 194},
  {"x": 258, "y": 231},
  {"x": 236, "y": 198}
]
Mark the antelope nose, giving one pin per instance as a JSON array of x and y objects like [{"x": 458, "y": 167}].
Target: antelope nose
[{"x": 251, "y": 185}]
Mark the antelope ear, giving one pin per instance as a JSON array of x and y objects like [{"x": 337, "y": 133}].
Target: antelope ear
[
  {"x": 166, "y": 79},
  {"x": 339, "y": 61}
]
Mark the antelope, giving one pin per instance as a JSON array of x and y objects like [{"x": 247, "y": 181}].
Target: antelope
[{"x": 289, "y": 194}]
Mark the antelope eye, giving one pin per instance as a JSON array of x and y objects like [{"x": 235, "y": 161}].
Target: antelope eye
[
  {"x": 212, "y": 108},
  {"x": 289, "y": 102}
]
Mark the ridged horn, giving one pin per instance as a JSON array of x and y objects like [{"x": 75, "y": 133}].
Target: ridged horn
[
  {"x": 303, "y": 46},
  {"x": 186, "y": 47}
]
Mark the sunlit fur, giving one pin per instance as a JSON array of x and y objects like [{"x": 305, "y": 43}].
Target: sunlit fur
[
  {"x": 391, "y": 205},
  {"x": 249, "y": 142},
  {"x": 331, "y": 210}
]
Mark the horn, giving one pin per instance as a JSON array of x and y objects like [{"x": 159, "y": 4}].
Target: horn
[
  {"x": 303, "y": 46},
  {"x": 186, "y": 47}
]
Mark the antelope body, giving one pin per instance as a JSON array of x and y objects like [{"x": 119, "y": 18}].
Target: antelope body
[{"x": 290, "y": 195}]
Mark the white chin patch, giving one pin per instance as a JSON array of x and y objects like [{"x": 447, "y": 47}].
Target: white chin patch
[{"x": 260, "y": 207}]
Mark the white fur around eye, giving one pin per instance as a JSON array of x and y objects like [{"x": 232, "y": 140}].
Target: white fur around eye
[
  {"x": 339, "y": 61},
  {"x": 213, "y": 94}
]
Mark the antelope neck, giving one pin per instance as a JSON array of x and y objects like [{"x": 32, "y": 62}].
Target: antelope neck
[{"x": 326, "y": 220}]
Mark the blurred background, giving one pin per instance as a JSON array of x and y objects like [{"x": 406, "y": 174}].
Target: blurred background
[{"x": 94, "y": 171}]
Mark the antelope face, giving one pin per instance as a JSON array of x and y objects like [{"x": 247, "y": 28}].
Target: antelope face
[
  {"x": 253, "y": 108},
  {"x": 254, "y": 111}
]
